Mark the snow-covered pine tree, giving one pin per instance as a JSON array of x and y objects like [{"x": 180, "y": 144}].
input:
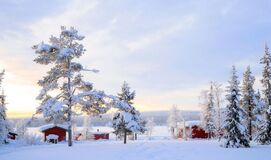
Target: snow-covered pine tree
[
  {"x": 173, "y": 119},
  {"x": 63, "y": 87},
  {"x": 208, "y": 115},
  {"x": 264, "y": 135},
  {"x": 235, "y": 133},
  {"x": 248, "y": 100},
  {"x": 4, "y": 125},
  {"x": 127, "y": 120},
  {"x": 258, "y": 112}
]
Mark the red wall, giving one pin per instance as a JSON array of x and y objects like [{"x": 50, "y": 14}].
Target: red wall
[
  {"x": 101, "y": 136},
  {"x": 12, "y": 136},
  {"x": 197, "y": 132},
  {"x": 57, "y": 131}
]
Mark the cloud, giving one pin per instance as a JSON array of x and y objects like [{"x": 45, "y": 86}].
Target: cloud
[
  {"x": 160, "y": 34},
  {"x": 74, "y": 10},
  {"x": 168, "y": 52}
]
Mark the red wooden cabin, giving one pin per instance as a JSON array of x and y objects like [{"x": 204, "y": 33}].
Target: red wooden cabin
[
  {"x": 193, "y": 130},
  {"x": 12, "y": 135},
  {"x": 59, "y": 130}
]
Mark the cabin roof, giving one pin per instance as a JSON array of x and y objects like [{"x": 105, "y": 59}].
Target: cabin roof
[
  {"x": 49, "y": 126},
  {"x": 12, "y": 133}
]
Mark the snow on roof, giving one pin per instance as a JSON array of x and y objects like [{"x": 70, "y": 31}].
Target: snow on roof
[
  {"x": 99, "y": 132},
  {"x": 48, "y": 126},
  {"x": 190, "y": 123}
]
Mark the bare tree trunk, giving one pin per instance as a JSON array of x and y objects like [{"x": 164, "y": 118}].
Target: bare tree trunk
[
  {"x": 69, "y": 131},
  {"x": 70, "y": 107},
  {"x": 250, "y": 121},
  {"x": 125, "y": 136},
  {"x": 135, "y": 136}
]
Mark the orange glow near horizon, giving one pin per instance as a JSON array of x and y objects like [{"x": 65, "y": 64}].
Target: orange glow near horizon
[{"x": 19, "y": 114}]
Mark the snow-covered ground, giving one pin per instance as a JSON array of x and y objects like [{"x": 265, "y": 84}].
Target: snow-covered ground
[
  {"x": 137, "y": 150},
  {"x": 161, "y": 147}
]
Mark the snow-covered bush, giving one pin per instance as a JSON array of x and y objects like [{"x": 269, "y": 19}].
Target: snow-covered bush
[
  {"x": 32, "y": 139},
  {"x": 173, "y": 119},
  {"x": 20, "y": 128},
  {"x": 150, "y": 126}
]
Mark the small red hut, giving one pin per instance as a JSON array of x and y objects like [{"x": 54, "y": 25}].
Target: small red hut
[
  {"x": 54, "y": 129},
  {"x": 192, "y": 130},
  {"x": 12, "y": 135}
]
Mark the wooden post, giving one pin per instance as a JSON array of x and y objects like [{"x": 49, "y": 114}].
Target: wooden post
[{"x": 125, "y": 136}]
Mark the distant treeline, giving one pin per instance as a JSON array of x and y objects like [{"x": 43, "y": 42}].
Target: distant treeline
[{"x": 159, "y": 117}]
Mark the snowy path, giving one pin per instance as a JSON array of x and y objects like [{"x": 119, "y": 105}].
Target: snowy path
[{"x": 138, "y": 150}]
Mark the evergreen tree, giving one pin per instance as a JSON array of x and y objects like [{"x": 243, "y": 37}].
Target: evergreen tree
[
  {"x": 4, "y": 125},
  {"x": 258, "y": 112},
  {"x": 264, "y": 135},
  {"x": 235, "y": 134},
  {"x": 127, "y": 120},
  {"x": 208, "y": 114},
  {"x": 248, "y": 100},
  {"x": 63, "y": 88}
]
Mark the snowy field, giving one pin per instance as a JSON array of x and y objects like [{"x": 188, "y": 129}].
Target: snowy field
[
  {"x": 161, "y": 147},
  {"x": 137, "y": 150}
]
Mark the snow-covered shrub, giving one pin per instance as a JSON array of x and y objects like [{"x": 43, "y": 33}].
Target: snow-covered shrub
[
  {"x": 32, "y": 139},
  {"x": 173, "y": 119}
]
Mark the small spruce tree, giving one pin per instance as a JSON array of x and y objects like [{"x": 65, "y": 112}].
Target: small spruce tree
[{"x": 127, "y": 120}]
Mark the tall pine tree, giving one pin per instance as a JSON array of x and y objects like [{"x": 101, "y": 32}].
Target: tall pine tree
[
  {"x": 235, "y": 134},
  {"x": 264, "y": 135},
  {"x": 63, "y": 88},
  {"x": 248, "y": 100}
]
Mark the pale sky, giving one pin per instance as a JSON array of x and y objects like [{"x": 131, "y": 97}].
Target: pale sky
[{"x": 168, "y": 51}]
